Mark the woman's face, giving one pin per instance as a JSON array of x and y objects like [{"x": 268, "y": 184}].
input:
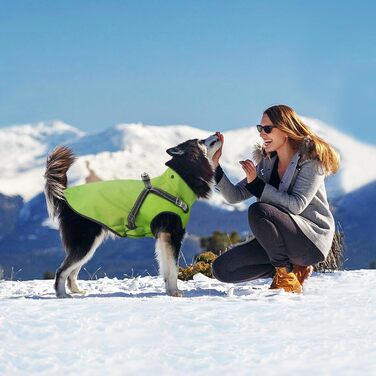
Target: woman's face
[{"x": 275, "y": 140}]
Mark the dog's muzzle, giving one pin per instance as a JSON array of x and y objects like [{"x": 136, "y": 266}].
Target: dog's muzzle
[
  {"x": 210, "y": 141},
  {"x": 212, "y": 144}
]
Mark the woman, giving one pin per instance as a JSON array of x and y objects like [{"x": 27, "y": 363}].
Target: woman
[{"x": 291, "y": 220}]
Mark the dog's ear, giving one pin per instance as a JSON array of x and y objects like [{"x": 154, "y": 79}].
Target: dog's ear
[{"x": 175, "y": 151}]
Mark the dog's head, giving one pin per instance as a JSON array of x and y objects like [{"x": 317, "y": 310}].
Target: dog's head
[
  {"x": 192, "y": 160},
  {"x": 196, "y": 149}
]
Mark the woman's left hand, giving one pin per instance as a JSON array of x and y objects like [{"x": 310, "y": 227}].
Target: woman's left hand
[{"x": 249, "y": 169}]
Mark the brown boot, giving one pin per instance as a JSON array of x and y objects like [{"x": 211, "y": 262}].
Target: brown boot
[
  {"x": 302, "y": 272},
  {"x": 285, "y": 280}
]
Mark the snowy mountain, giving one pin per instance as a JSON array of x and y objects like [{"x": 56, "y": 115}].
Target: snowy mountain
[
  {"x": 126, "y": 150},
  {"x": 130, "y": 327},
  {"x": 23, "y": 150},
  {"x": 29, "y": 241}
]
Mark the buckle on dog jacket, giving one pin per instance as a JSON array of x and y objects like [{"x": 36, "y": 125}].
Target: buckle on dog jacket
[{"x": 142, "y": 196}]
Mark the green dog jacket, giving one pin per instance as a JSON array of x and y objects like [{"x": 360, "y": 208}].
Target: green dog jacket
[{"x": 110, "y": 202}]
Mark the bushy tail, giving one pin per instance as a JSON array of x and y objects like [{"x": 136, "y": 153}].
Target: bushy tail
[{"x": 58, "y": 163}]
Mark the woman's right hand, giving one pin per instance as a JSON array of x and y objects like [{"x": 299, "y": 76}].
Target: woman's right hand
[{"x": 218, "y": 153}]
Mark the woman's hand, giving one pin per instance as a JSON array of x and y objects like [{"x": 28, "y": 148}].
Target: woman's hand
[
  {"x": 249, "y": 169},
  {"x": 218, "y": 153}
]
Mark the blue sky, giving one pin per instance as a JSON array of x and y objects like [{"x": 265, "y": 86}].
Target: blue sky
[{"x": 215, "y": 65}]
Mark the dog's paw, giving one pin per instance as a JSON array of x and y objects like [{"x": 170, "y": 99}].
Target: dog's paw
[
  {"x": 175, "y": 293},
  {"x": 63, "y": 296}
]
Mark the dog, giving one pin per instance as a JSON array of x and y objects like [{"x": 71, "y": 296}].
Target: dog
[{"x": 190, "y": 175}]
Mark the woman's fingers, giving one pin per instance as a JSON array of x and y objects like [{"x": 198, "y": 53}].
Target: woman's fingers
[
  {"x": 246, "y": 169},
  {"x": 218, "y": 153},
  {"x": 249, "y": 169},
  {"x": 220, "y": 136},
  {"x": 248, "y": 164}
]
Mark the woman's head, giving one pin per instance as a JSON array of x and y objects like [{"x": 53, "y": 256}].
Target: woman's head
[{"x": 288, "y": 127}]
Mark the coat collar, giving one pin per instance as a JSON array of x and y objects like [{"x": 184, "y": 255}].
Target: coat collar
[
  {"x": 266, "y": 161},
  {"x": 288, "y": 176}
]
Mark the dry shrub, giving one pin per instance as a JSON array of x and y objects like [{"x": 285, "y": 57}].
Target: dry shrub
[{"x": 202, "y": 264}]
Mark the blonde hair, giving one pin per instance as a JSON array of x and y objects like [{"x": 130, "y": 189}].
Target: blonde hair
[{"x": 288, "y": 121}]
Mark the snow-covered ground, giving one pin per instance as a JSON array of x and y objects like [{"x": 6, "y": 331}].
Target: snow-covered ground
[{"x": 130, "y": 327}]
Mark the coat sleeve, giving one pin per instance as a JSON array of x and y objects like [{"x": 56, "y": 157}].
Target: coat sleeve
[
  {"x": 307, "y": 183},
  {"x": 233, "y": 193}
]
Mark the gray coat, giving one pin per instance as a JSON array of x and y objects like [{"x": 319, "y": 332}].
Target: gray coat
[{"x": 305, "y": 200}]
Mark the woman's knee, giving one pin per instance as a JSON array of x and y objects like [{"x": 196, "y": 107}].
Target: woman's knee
[
  {"x": 257, "y": 211},
  {"x": 219, "y": 269},
  {"x": 262, "y": 210}
]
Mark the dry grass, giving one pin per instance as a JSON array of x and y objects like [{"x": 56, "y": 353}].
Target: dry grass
[{"x": 334, "y": 261}]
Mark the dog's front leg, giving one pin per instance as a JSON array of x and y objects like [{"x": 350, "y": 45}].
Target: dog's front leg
[{"x": 167, "y": 256}]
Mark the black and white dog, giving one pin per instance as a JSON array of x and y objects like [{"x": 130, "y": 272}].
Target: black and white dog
[{"x": 81, "y": 236}]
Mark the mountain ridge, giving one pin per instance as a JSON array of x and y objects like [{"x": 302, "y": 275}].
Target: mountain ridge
[
  {"x": 126, "y": 150},
  {"x": 29, "y": 240}
]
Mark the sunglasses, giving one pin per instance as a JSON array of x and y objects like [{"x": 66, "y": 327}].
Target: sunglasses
[{"x": 266, "y": 128}]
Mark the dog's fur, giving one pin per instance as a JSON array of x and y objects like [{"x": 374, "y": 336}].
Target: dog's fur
[{"x": 81, "y": 236}]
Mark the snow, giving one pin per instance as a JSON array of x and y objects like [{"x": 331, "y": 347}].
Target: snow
[
  {"x": 23, "y": 150},
  {"x": 127, "y": 150},
  {"x": 130, "y": 327}
]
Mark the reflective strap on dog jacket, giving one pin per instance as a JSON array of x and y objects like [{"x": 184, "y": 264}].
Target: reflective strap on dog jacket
[
  {"x": 156, "y": 191},
  {"x": 110, "y": 202}
]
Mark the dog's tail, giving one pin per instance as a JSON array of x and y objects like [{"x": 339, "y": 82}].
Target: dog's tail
[{"x": 58, "y": 163}]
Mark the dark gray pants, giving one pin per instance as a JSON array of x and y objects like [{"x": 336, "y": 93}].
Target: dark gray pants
[{"x": 279, "y": 242}]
